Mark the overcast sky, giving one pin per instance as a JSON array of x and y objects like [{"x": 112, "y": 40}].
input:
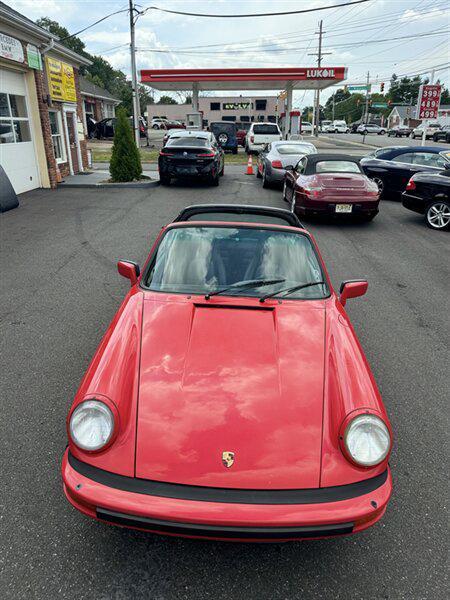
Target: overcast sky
[{"x": 352, "y": 35}]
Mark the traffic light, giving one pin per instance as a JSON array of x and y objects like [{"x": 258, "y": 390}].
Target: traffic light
[{"x": 382, "y": 87}]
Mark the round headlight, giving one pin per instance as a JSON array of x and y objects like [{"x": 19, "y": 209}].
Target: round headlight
[
  {"x": 367, "y": 440},
  {"x": 91, "y": 425}
]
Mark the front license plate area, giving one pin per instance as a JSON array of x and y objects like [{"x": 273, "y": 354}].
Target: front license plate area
[{"x": 343, "y": 208}]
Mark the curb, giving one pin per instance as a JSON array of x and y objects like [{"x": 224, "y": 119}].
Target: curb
[{"x": 143, "y": 186}]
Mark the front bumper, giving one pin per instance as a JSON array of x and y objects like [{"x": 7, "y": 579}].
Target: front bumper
[{"x": 226, "y": 514}]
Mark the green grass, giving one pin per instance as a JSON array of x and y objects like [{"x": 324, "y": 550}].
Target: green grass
[{"x": 151, "y": 156}]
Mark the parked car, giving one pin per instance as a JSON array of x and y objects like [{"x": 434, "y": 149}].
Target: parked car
[
  {"x": 273, "y": 159},
  {"x": 399, "y": 131},
  {"x": 391, "y": 168},
  {"x": 106, "y": 127},
  {"x": 305, "y": 127},
  {"x": 366, "y": 128},
  {"x": 242, "y": 128},
  {"x": 196, "y": 156},
  {"x": 429, "y": 194},
  {"x": 175, "y": 125},
  {"x": 330, "y": 184},
  {"x": 225, "y": 133},
  {"x": 261, "y": 134},
  {"x": 323, "y": 125},
  {"x": 430, "y": 130},
  {"x": 338, "y": 127},
  {"x": 443, "y": 135},
  {"x": 159, "y": 123},
  {"x": 230, "y": 397}
]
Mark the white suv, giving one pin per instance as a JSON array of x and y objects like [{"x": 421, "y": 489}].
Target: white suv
[
  {"x": 366, "y": 128},
  {"x": 337, "y": 127},
  {"x": 430, "y": 129},
  {"x": 261, "y": 134},
  {"x": 158, "y": 123}
]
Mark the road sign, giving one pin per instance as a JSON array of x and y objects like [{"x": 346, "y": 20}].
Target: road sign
[
  {"x": 379, "y": 105},
  {"x": 359, "y": 88},
  {"x": 428, "y": 102}
]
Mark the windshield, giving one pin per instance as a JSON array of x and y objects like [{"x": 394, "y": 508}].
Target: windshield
[
  {"x": 266, "y": 129},
  {"x": 198, "y": 260},
  {"x": 187, "y": 141},
  {"x": 337, "y": 166},
  {"x": 295, "y": 149}
]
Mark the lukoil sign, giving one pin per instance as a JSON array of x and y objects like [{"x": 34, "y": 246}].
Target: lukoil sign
[{"x": 320, "y": 73}]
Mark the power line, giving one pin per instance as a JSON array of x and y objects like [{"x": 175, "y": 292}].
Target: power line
[
  {"x": 117, "y": 12},
  {"x": 293, "y": 49},
  {"x": 253, "y": 15}
]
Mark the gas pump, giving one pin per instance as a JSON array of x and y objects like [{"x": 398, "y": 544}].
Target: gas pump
[{"x": 194, "y": 120}]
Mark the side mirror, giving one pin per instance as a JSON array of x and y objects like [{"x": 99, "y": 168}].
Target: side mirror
[
  {"x": 447, "y": 166},
  {"x": 352, "y": 289},
  {"x": 129, "y": 269}
]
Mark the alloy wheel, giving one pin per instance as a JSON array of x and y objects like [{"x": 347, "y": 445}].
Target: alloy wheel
[
  {"x": 438, "y": 215},
  {"x": 380, "y": 184}
]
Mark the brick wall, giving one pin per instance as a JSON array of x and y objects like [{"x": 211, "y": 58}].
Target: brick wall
[
  {"x": 83, "y": 143},
  {"x": 42, "y": 92}
]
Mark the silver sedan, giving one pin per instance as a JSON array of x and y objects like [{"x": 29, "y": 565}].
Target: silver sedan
[{"x": 276, "y": 156}]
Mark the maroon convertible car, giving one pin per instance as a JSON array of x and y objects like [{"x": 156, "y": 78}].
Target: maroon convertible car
[{"x": 330, "y": 184}]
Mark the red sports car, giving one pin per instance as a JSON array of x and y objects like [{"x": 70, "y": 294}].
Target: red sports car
[
  {"x": 330, "y": 184},
  {"x": 230, "y": 397}
]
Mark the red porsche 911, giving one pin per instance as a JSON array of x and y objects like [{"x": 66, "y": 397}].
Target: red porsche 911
[
  {"x": 230, "y": 398},
  {"x": 330, "y": 184}
]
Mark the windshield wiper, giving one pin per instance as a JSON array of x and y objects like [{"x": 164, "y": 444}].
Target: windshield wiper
[
  {"x": 290, "y": 290},
  {"x": 249, "y": 283}
]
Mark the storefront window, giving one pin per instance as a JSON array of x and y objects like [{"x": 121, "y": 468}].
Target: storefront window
[
  {"x": 14, "y": 124},
  {"x": 56, "y": 129}
]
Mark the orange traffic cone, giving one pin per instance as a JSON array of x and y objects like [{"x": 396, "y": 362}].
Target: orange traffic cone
[{"x": 250, "y": 165}]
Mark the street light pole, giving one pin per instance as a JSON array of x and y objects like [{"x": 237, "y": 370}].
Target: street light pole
[{"x": 134, "y": 82}]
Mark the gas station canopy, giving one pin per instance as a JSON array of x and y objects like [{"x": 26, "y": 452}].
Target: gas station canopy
[{"x": 296, "y": 78}]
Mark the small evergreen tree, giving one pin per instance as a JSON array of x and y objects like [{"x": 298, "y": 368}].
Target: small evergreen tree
[{"x": 125, "y": 164}]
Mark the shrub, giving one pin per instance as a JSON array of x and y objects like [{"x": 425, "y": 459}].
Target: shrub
[{"x": 125, "y": 164}]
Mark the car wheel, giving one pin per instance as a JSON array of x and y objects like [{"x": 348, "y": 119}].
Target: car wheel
[
  {"x": 222, "y": 139},
  {"x": 164, "y": 180},
  {"x": 284, "y": 191},
  {"x": 215, "y": 180},
  {"x": 381, "y": 185},
  {"x": 382, "y": 132},
  {"x": 222, "y": 171},
  {"x": 365, "y": 132},
  {"x": 155, "y": 126},
  {"x": 265, "y": 182},
  {"x": 438, "y": 215},
  {"x": 258, "y": 172}
]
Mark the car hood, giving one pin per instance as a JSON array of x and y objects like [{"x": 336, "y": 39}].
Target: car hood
[{"x": 231, "y": 375}]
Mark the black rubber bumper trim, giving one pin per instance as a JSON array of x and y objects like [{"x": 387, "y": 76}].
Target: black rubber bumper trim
[
  {"x": 227, "y": 495},
  {"x": 224, "y": 531}
]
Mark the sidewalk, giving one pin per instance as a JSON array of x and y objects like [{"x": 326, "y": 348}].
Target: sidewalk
[{"x": 98, "y": 177}]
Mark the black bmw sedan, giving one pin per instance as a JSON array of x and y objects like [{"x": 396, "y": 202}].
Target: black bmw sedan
[
  {"x": 193, "y": 157},
  {"x": 391, "y": 168},
  {"x": 429, "y": 194}
]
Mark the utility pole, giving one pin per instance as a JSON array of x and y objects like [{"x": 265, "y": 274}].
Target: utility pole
[
  {"x": 333, "y": 104},
  {"x": 366, "y": 112},
  {"x": 134, "y": 82},
  {"x": 319, "y": 55}
]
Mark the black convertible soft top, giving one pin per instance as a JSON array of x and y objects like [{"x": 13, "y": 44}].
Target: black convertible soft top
[{"x": 239, "y": 212}]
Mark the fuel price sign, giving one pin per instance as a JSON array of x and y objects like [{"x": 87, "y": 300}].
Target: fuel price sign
[{"x": 428, "y": 103}]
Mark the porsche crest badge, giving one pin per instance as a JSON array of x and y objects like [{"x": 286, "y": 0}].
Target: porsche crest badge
[{"x": 227, "y": 459}]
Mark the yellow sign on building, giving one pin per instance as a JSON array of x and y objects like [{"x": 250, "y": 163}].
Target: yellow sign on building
[{"x": 61, "y": 80}]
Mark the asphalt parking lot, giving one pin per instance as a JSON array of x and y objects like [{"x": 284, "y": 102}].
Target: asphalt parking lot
[{"x": 60, "y": 289}]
